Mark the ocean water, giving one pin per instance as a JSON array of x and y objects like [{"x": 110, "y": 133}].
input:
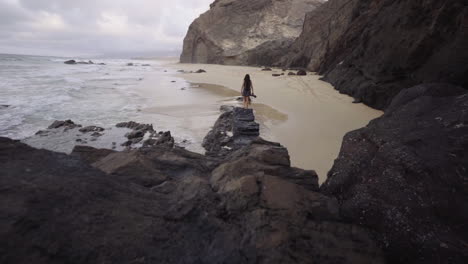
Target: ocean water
[{"x": 35, "y": 91}]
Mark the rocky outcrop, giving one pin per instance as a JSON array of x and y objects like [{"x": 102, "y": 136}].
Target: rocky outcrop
[
  {"x": 233, "y": 31},
  {"x": 373, "y": 49},
  {"x": 164, "y": 204},
  {"x": 234, "y": 129},
  {"x": 405, "y": 176}
]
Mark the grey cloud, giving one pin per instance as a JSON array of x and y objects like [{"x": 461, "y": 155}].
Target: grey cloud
[{"x": 60, "y": 27}]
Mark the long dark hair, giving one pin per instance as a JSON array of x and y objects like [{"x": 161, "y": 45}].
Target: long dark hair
[{"x": 247, "y": 82}]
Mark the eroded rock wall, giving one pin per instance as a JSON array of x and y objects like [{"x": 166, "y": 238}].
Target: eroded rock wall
[
  {"x": 372, "y": 49},
  {"x": 405, "y": 176},
  {"x": 231, "y": 28}
]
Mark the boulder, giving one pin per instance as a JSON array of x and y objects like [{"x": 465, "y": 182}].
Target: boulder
[
  {"x": 200, "y": 71},
  {"x": 70, "y": 62},
  {"x": 404, "y": 176},
  {"x": 276, "y": 75},
  {"x": 227, "y": 32},
  {"x": 292, "y": 74},
  {"x": 301, "y": 73}
]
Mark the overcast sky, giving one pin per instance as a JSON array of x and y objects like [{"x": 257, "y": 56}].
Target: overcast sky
[{"x": 93, "y": 27}]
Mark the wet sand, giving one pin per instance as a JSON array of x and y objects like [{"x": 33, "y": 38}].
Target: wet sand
[{"x": 304, "y": 114}]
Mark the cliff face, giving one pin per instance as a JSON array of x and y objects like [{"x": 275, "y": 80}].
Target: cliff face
[
  {"x": 231, "y": 30},
  {"x": 372, "y": 49},
  {"x": 405, "y": 176}
]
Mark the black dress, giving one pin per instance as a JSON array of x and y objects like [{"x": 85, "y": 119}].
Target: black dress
[{"x": 247, "y": 91}]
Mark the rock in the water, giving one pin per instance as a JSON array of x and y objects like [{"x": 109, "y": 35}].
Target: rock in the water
[
  {"x": 130, "y": 64},
  {"x": 373, "y": 49},
  {"x": 136, "y": 126},
  {"x": 266, "y": 69},
  {"x": 404, "y": 176},
  {"x": 200, "y": 71},
  {"x": 4, "y": 106},
  {"x": 70, "y": 62},
  {"x": 67, "y": 124},
  {"x": 276, "y": 75},
  {"x": 292, "y": 74},
  {"x": 227, "y": 32},
  {"x": 301, "y": 73},
  {"x": 91, "y": 129}
]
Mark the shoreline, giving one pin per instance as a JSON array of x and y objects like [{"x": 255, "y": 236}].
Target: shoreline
[{"x": 289, "y": 108}]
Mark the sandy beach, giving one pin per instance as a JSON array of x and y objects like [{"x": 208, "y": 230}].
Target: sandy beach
[{"x": 304, "y": 114}]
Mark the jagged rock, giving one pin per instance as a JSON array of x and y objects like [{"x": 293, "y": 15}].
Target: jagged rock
[
  {"x": 136, "y": 126},
  {"x": 200, "y": 71},
  {"x": 235, "y": 128},
  {"x": 70, "y": 62},
  {"x": 91, "y": 129},
  {"x": 168, "y": 205},
  {"x": 291, "y": 74},
  {"x": 371, "y": 50},
  {"x": 276, "y": 75},
  {"x": 301, "y": 73},
  {"x": 230, "y": 31},
  {"x": 404, "y": 176},
  {"x": 67, "y": 124}
]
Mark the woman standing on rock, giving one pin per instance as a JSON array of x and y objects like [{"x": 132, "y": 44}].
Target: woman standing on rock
[{"x": 247, "y": 91}]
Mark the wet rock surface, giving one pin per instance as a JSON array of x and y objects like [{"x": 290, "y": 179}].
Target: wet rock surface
[
  {"x": 164, "y": 204},
  {"x": 405, "y": 176}
]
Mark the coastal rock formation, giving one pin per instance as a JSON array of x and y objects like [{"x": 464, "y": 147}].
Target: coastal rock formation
[
  {"x": 232, "y": 30},
  {"x": 405, "y": 176},
  {"x": 164, "y": 204},
  {"x": 372, "y": 49},
  {"x": 234, "y": 129}
]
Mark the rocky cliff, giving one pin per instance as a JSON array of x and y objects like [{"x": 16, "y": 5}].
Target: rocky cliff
[
  {"x": 231, "y": 31},
  {"x": 405, "y": 176},
  {"x": 163, "y": 204},
  {"x": 372, "y": 49}
]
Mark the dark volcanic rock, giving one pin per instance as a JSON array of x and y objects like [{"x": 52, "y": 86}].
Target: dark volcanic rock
[
  {"x": 291, "y": 74},
  {"x": 235, "y": 128},
  {"x": 70, "y": 62},
  {"x": 405, "y": 176},
  {"x": 136, "y": 126},
  {"x": 200, "y": 71},
  {"x": 231, "y": 31},
  {"x": 301, "y": 73},
  {"x": 67, "y": 124},
  {"x": 91, "y": 129},
  {"x": 89, "y": 154},
  {"x": 168, "y": 205},
  {"x": 276, "y": 75},
  {"x": 372, "y": 49}
]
